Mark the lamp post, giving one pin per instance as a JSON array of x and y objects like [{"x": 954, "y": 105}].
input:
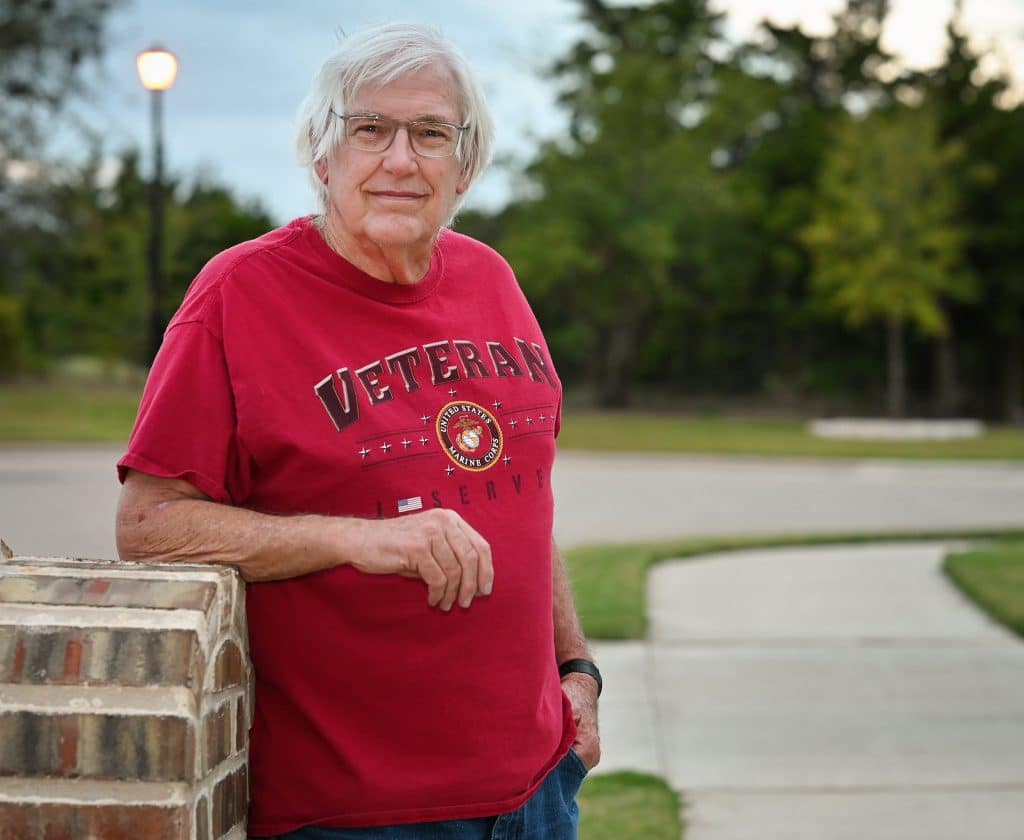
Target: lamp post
[{"x": 157, "y": 70}]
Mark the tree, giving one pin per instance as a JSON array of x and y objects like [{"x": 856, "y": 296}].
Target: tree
[
  {"x": 85, "y": 291},
  {"x": 774, "y": 110},
  {"x": 885, "y": 238},
  {"x": 46, "y": 45},
  {"x": 604, "y": 236},
  {"x": 973, "y": 112}
]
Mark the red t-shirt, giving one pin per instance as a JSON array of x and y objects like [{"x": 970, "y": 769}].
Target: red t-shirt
[{"x": 291, "y": 382}]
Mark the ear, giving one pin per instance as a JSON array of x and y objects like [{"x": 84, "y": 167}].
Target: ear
[
  {"x": 321, "y": 170},
  {"x": 462, "y": 186}
]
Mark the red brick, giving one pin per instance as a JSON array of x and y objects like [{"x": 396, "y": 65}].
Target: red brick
[
  {"x": 217, "y": 736},
  {"x": 53, "y": 820},
  {"x": 202, "y": 819},
  {"x": 229, "y": 668},
  {"x": 99, "y": 656},
  {"x": 230, "y": 800},
  {"x": 241, "y": 724},
  {"x": 143, "y": 747}
]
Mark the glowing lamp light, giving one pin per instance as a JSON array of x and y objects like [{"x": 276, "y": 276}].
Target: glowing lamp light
[{"x": 157, "y": 68}]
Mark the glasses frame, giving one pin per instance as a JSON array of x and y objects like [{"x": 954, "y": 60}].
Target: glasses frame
[{"x": 408, "y": 125}]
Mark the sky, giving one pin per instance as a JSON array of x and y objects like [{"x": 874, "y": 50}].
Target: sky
[{"x": 245, "y": 65}]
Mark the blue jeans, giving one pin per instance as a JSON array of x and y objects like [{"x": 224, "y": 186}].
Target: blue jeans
[{"x": 550, "y": 814}]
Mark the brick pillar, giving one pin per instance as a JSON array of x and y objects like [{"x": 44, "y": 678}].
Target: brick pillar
[{"x": 125, "y": 701}]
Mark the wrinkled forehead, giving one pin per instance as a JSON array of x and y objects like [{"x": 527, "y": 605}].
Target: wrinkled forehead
[{"x": 425, "y": 92}]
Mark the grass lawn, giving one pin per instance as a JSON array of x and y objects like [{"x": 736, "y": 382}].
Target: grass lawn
[
  {"x": 38, "y": 413},
  {"x": 609, "y": 581},
  {"x": 994, "y": 578},
  {"x": 628, "y": 806},
  {"x": 634, "y": 432},
  {"x": 73, "y": 411}
]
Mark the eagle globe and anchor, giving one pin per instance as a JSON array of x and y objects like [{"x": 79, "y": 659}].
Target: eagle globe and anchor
[{"x": 470, "y": 435}]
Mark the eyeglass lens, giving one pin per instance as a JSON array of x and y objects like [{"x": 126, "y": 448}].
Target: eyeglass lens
[{"x": 375, "y": 134}]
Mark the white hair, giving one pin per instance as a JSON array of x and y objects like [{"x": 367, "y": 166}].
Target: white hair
[{"x": 377, "y": 56}]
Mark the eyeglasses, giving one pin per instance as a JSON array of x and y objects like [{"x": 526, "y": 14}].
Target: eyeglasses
[{"x": 374, "y": 133}]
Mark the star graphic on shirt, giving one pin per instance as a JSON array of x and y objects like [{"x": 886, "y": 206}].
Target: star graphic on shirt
[
  {"x": 529, "y": 421},
  {"x": 452, "y": 392},
  {"x": 543, "y": 418},
  {"x": 385, "y": 447},
  {"x": 424, "y": 441},
  {"x": 513, "y": 423},
  {"x": 364, "y": 452},
  {"x": 449, "y": 469},
  {"x": 425, "y": 418},
  {"x": 406, "y": 443},
  {"x": 496, "y": 404},
  {"x": 507, "y": 459}
]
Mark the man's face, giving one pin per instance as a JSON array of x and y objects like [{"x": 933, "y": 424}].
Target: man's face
[{"x": 395, "y": 198}]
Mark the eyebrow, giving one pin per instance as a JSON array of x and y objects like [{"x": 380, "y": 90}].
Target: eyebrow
[{"x": 417, "y": 118}]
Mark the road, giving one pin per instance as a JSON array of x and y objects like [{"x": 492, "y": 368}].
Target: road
[{"x": 60, "y": 500}]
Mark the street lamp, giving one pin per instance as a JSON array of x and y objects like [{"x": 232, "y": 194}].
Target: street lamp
[{"x": 157, "y": 69}]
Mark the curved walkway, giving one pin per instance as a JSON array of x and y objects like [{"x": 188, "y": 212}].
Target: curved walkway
[{"x": 824, "y": 693}]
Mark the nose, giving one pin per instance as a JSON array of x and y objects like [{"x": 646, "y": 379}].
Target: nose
[{"x": 399, "y": 156}]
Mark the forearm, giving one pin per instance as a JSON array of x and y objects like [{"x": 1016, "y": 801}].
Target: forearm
[
  {"x": 570, "y": 643},
  {"x": 162, "y": 519},
  {"x": 261, "y": 546}
]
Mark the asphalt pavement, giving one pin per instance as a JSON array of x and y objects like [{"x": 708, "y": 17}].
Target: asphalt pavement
[{"x": 60, "y": 500}]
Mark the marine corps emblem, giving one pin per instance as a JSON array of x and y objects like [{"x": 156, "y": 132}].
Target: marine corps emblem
[{"x": 470, "y": 435}]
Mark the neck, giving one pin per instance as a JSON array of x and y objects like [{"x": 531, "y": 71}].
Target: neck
[{"x": 389, "y": 264}]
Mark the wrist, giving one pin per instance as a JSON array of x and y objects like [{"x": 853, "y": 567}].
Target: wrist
[{"x": 585, "y": 668}]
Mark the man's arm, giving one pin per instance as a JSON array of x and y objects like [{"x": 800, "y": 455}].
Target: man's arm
[
  {"x": 163, "y": 519},
  {"x": 570, "y": 643}
]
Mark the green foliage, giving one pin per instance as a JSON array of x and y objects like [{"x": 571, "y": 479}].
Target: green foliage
[
  {"x": 604, "y": 241},
  {"x": 885, "y": 239},
  {"x": 13, "y": 336},
  {"x": 994, "y": 577},
  {"x": 714, "y": 223},
  {"x": 628, "y": 806},
  {"x": 45, "y": 45},
  {"x": 84, "y": 284}
]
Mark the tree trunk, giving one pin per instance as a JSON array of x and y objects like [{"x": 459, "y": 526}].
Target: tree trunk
[
  {"x": 620, "y": 354},
  {"x": 947, "y": 383},
  {"x": 614, "y": 389},
  {"x": 896, "y": 363},
  {"x": 1013, "y": 381}
]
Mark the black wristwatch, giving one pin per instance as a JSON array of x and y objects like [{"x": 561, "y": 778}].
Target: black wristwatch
[{"x": 581, "y": 666}]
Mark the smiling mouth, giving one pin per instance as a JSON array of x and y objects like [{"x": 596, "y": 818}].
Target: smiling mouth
[{"x": 396, "y": 194}]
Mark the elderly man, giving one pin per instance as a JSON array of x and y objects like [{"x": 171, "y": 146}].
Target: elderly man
[{"x": 359, "y": 411}]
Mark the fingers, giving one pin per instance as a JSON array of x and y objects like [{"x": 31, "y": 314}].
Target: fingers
[
  {"x": 440, "y": 548},
  {"x": 446, "y": 559},
  {"x": 465, "y": 559},
  {"x": 474, "y": 557}
]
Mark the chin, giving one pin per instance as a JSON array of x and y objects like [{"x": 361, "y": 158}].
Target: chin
[{"x": 401, "y": 232}]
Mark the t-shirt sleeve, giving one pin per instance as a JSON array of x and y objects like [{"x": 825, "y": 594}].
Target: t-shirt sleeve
[{"x": 186, "y": 426}]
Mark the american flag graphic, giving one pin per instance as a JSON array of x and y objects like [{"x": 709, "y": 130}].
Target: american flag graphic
[{"x": 413, "y": 503}]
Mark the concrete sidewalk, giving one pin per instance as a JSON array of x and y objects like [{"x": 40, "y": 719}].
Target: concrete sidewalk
[{"x": 825, "y": 693}]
